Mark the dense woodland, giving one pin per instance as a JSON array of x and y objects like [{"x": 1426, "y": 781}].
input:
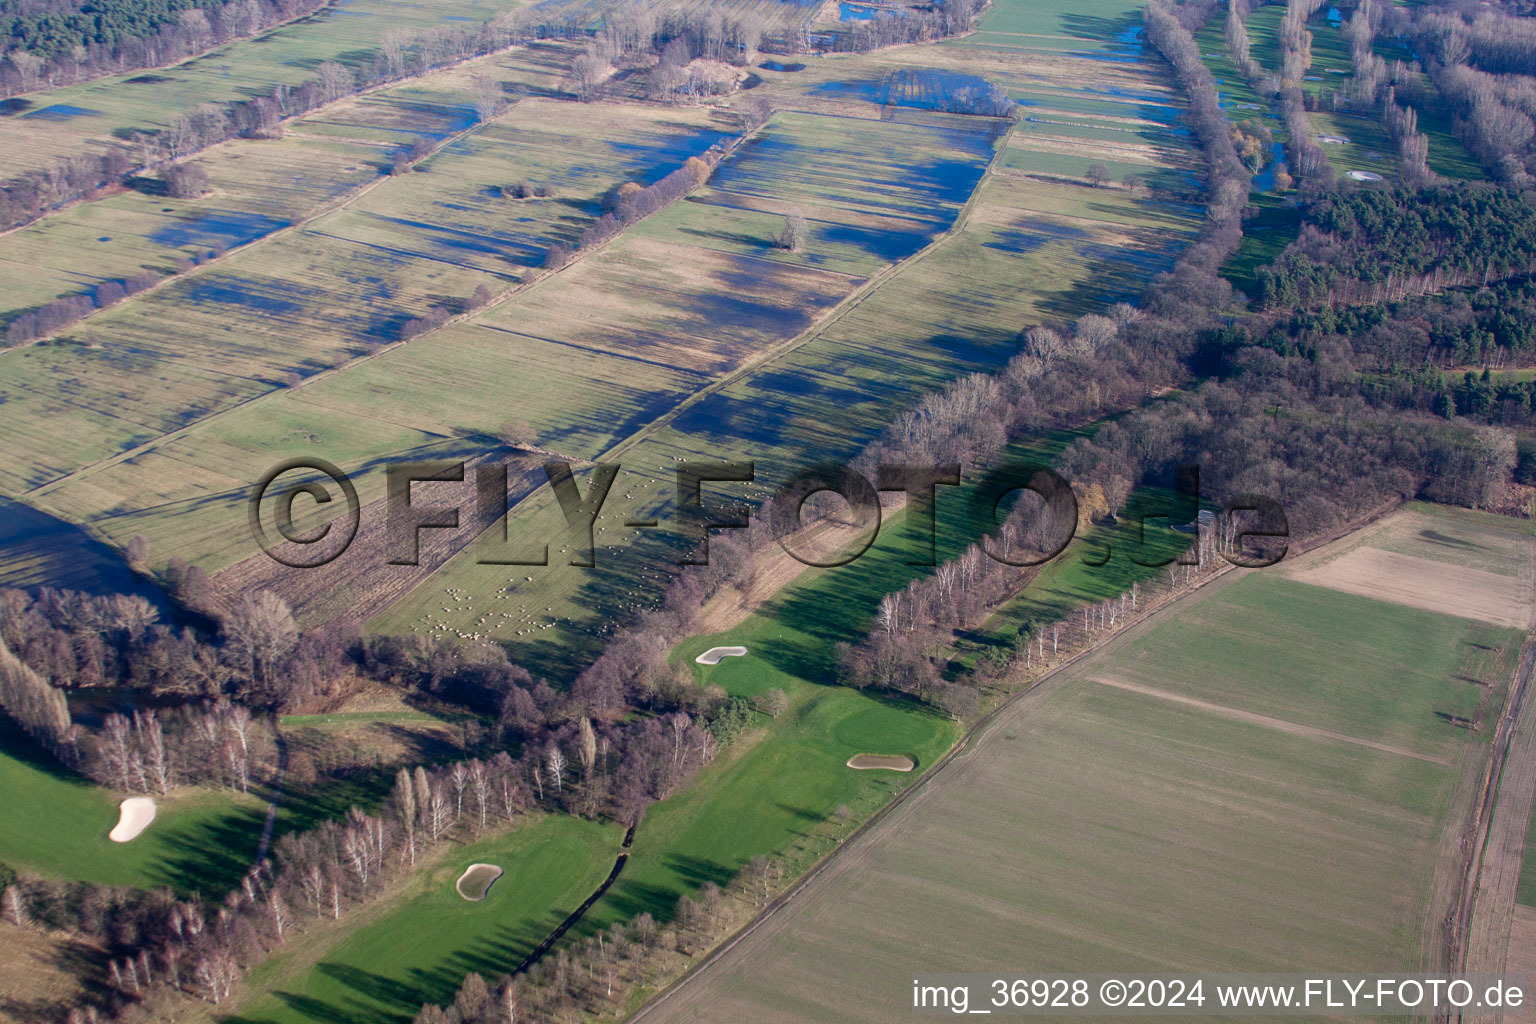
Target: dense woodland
[
  {"x": 57, "y": 42},
  {"x": 1369, "y": 245}
]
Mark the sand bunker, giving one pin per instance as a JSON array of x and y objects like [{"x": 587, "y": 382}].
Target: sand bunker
[
  {"x": 887, "y": 762},
  {"x": 133, "y": 817},
  {"x": 1365, "y": 176},
  {"x": 476, "y": 881},
  {"x": 1335, "y": 140},
  {"x": 714, "y": 654}
]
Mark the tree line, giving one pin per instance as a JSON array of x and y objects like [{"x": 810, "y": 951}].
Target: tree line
[
  {"x": 1482, "y": 61},
  {"x": 1169, "y": 29},
  {"x": 188, "y": 947},
  {"x": 624, "y": 206},
  {"x": 599, "y": 973},
  {"x": 894, "y": 28},
  {"x": 632, "y": 201},
  {"x": 1289, "y": 420},
  {"x": 1329, "y": 453},
  {"x": 666, "y": 47},
  {"x": 400, "y": 54}
]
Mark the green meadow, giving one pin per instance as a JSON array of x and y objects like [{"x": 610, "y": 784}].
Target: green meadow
[
  {"x": 199, "y": 842},
  {"x": 417, "y": 944}
]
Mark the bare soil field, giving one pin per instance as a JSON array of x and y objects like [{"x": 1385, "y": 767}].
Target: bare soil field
[
  {"x": 1433, "y": 561},
  {"x": 1433, "y": 586}
]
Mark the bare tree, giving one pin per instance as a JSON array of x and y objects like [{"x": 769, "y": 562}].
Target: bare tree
[
  {"x": 774, "y": 702},
  {"x": 587, "y": 746},
  {"x": 435, "y": 812},
  {"x": 354, "y": 844},
  {"x": 336, "y": 80},
  {"x": 1044, "y": 344},
  {"x": 261, "y": 628},
  {"x": 793, "y": 235},
  {"x": 279, "y": 910},
  {"x": 152, "y": 742},
  {"x": 12, "y": 905},
  {"x": 239, "y": 764},
  {"x": 488, "y": 97},
  {"x": 459, "y": 776},
  {"x": 392, "y": 47},
  {"x": 238, "y": 720},
  {"x": 1092, "y": 332},
  {"x": 479, "y": 784},
  {"x": 763, "y": 872},
  {"x": 556, "y": 762},
  {"x": 510, "y": 999},
  {"x": 588, "y": 71},
  {"x": 423, "y": 787},
  {"x": 27, "y": 65},
  {"x": 216, "y": 971},
  {"x": 116, "y": 748}
]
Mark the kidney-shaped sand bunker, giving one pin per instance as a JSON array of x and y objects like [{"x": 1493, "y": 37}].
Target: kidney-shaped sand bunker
[
  {"x": 714, "y": 654},
  {"x": 888, "y": 762},
  {"x": 476, "y": 881},
  {"x": 133, "y": 816}
]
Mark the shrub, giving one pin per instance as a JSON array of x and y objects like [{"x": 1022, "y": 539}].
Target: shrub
[{"x": 186, "y": 181}]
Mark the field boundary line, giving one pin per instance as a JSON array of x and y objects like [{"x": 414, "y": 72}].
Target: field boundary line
[
  {"x": 1267, "y": 721},
  {"x": 515, "y": 288},
  {"x": 849, "y": 302},
  {"x": 192, "y": 58},
  {"x": 106, "y": 191},
  {"x": 303, "y": 221}
]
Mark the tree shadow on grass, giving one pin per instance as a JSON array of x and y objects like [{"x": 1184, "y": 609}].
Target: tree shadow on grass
[
  {"x": 210, "y": 858},
  {"x": 371, "y": 996},
  {"x": 400, "y": 998},
  {"x": 626, "y": 900},
  {"x": 23, "y": 748},
  {"x": 695, "y": 871},
  {"x": 751, "y": 242},
  {"x": 365, "y": 788},
  {"x": 311, "y": 1009}
]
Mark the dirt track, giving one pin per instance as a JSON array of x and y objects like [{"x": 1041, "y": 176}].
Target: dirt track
[
  {"x": 1277, "y": 724},
  {"x": 1496, "y": 926}
]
